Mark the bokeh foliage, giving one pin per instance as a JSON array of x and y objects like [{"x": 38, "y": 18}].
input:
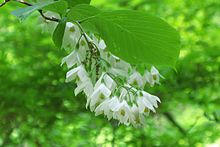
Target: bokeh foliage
[{"x": 37, "y": 108}]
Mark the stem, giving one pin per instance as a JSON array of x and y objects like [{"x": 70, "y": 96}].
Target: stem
[
  {"x": 83, "y": 32},
  {"x": 5, "y": 2},
  {"x": 28, "y": 4},
  {"x": 94, "y": 51}
]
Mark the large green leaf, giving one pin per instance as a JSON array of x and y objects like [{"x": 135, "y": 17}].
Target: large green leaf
[
  {"x": 138, "y": 37},
  {"x": 134, "y": 36},
  {"x": 77, "y": 2},
  {"x": 23, "y": 13}
]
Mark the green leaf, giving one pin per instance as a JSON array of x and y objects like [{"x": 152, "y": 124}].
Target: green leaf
[
  {"x": 138, "y": 37},
  {"x": 58, "y": 7},
  {"x": 134, "y": 36},
  {"x": 77, "y": 2},
  {"x": 59, "y": 33},
  {"x": 82, "y": 11},
  {"x": 23, "y": 13}
]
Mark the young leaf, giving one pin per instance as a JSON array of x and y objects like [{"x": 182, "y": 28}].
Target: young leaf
[
  {"x": 77, "y": 2},
  {"x": 23, "y": 13},
  {"x": 59, "y": 33}
]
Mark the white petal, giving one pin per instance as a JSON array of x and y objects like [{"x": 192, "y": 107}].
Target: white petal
[
  {"x": 71, "y": 36},
  {"x": 88, "y": 89},
  {"x": 109, "y": 82},
  {"x": 136, "y": 78},
  {"x": 79, "y": 88},
  {"x": 104, "y": 90},
  {"x": 141, "y": 105},
  {"x": 82, "y": 86},
  {"x": 148, "y": 104},
  {"x": 71, "y": 75},
  {"x": 154, "y": 71},
  {"x": 71, "y": 59},
  {"x": 102, "y": 44}
]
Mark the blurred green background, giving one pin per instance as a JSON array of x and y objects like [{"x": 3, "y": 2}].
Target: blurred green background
[{"x": 37, "y": 108}]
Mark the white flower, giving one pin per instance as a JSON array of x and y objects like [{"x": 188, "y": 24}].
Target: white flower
[
  {"x": 100, "y": 93},
  {"x": 78, "y": 73},
  {"x": 136, "y": 79},
  {"x": 107, "y": 80},
  {"x": 118, "y": 63},
  {"x": 123, "y": 93},
  {"x": 122, "y": 112},
  {"x": 85, "y": 86},
  {"x": 118, "y": 72},
  {"x": 88, "y": 90},
  {"x": 147, "y": 102},
  {"x": 153, "y": 76},
  {"x": 144, "y": 105},
  {"x": 71, "y": 36},
  {"x": 128, "y": 93},
  {"x": 139, "y": 119},
  {"x": 72, "y": 59},
  {"x": 116, "y": 92},
  {"x": 152, "y": 98},
  {"x": 106, "y": 107},
  {"x": 102, "y": 44}
]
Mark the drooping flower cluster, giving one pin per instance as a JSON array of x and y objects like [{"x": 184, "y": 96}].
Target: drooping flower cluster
[{"x": 112, "y": 86}]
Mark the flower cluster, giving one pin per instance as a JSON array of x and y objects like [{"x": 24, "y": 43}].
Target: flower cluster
[{"x": 112, "y": 86}]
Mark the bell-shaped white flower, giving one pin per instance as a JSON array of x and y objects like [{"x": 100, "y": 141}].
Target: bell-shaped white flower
[
  {"x": 72, "y": 59},
  {"x": 107, "y": 80},
  {"x": 103, "y": 107},
  {"x": 136, "y": 79},
  {"x": 118, "y": 72},
  {"x": 122, "y": 112},
  {"x": 100, "y": 93},
  {"x": 147, "y": 102},
  {"x": 107, "y": 106},
  {"x": 128, "y": 94},
  {"x": 118, "y": 63},
  {"x": 78, "y": 73},
  {"x": 71, "y": 36},
  {"x": 138, "y": 119},
  {"x": 153, "y": 76},
  {"x": 151, "y": 98},
  {"x": 144, "y": 105},
  {"x": 85, "y": 86},
  {"x": 88, "y": 90}
]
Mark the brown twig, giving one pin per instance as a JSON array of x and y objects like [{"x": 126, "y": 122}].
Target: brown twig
[
  {"x": 5, "y": 2},
  {"x": 28, "y": 4},
  {"x": 41, "y": 12}
]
